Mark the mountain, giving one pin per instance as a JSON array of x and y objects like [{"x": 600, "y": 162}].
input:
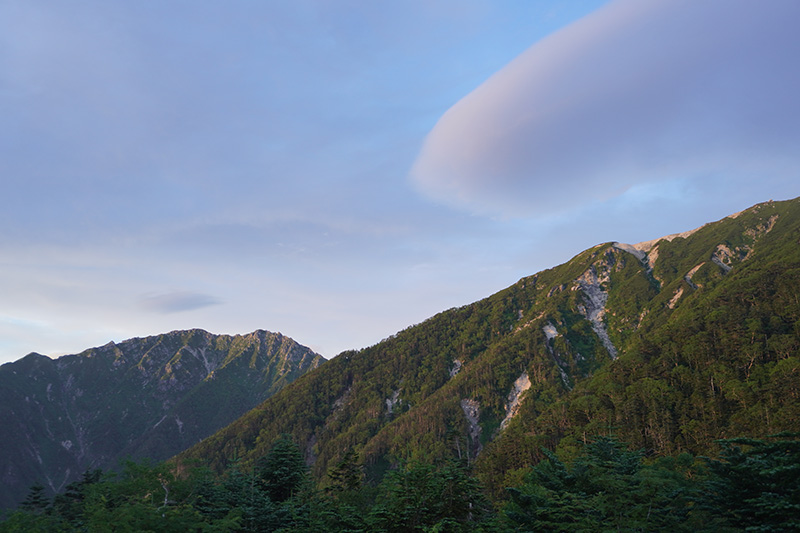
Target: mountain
[
  {"x": 669, "y": 344},
  {"x": 144, "y": 397}
]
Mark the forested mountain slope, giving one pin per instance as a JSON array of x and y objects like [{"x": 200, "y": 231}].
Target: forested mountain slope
[
  {"x": 669, "y": 344},
  {"x": 146, "y": 397}
]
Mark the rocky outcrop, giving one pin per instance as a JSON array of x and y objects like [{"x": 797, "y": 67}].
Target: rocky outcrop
[
  {"x": 472, "y": 412},
  {"x": 689, "y": 275},
  {"x": 594, "y": 306},
  {"x": 521, "y": 384},
  {"x": 723, "y": 257},
  {"x": 550, "y": 333},
  {"x": 675, "y": 297},
  {"x": 393, "y": 401},
  {"x": 457, "y": 364}
]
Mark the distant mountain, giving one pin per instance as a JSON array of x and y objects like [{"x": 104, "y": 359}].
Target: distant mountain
[
  {"x": 669, "y": 344},
  {"x": 149, "y": 397}
]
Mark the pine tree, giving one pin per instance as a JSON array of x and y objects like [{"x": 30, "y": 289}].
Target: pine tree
[
  {"x": 282, "y": 471},
  {"x": 753, "y": 485},
  {"x": 36, "y": 502}
]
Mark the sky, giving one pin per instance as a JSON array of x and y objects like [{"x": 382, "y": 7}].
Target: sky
[{"x": 339, "y": 171}]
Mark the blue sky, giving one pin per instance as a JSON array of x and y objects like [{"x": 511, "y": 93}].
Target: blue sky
[{"x": 338, "y": 171}]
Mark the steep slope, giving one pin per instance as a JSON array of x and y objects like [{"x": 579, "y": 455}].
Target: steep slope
[
  {"x": 149, "y": 397},
  {"x": 631, "y": 339},
  {"x": 713, "y": 354}
]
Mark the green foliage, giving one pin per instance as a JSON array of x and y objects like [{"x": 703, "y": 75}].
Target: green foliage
[
  {"x": 424, "y": 497},
  {"x": 751, "y": 486},
  {"x": 238, "y": 500},
  {"x": 70, "y": 503},
  {"x": 282, "y": 471},
  {"x": 143, "y": 498},
  {"x": 754, "y": 486},
  {"x": 347, "y": 475},
  {"x": 36, "y": 502},
  {"x": 606, "y": 488}
]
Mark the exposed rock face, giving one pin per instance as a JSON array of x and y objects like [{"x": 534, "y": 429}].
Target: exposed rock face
[
  {"x": 646, "y": 246},
  {"x": 392, "y": 401},
  {"x": 640, "y": 254},
  {"x": 150, "y": 397},
  {"x": 675, "y": 298},
  {"x": 472, "y": 411},
  {"x": 723, "y": 257},
  {"x": 689, "y": 275},
  {"x": 521, "y": 384},
  {"x": 550, "y": 333},
  {"x": 595, "y": 298}
]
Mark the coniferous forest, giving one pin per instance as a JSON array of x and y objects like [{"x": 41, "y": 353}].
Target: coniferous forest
[{"x": 751, "y": 486}]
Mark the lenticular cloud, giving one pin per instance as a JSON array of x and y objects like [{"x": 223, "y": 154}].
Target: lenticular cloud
[{"x": 637, "y": 92}]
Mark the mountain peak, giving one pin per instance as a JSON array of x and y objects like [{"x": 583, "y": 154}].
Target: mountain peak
[
  {"x": 645, "y": 340},
  {"x": 141, "y": 397}
]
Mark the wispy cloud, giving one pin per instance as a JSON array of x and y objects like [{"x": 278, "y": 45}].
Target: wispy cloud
[
  {"x": 177, "y": 302},
  {"x": 638, "y": 92}
]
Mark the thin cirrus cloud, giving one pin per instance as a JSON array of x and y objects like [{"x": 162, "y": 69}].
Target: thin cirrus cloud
[
  {"x": 635, "y": 93},
  {"x": 177, "y": 302}
]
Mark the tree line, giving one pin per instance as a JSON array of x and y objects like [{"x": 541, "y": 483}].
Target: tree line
[{"x": 750, "y": 486}]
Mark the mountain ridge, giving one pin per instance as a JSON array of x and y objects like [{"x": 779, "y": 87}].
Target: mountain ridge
[
  {"x": 484, "y": 381},
  {"x": 142, "y": 397}
]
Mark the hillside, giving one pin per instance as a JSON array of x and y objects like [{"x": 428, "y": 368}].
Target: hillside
[
  {"x": 145, "y": 397},
  {"x": 669, "y": 344}
]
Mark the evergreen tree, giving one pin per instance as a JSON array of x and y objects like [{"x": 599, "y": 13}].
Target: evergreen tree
[
  {"x": 754, "y": 484},
  {"x": 36, "y": 502},
  {"x": 423, "y": 496},
  {"x": 607, "y": 488},
  {"x": 282, "y": 471},
  {"x": 347, "y": 475},
  {"x": 69, "y": 504}
]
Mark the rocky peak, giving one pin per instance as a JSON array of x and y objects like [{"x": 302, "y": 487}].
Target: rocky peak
[{"x": 142, "y": 397}]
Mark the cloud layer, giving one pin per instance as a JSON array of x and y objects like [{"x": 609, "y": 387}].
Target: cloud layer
[
  {"x": 177, "y": 301},
  {"x": 245, "y": 165},
  {"x": 637, "y": 92}
]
